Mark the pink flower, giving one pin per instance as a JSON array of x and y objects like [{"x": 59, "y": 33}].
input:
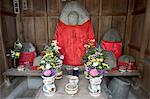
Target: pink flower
[
  {"x": 94, "y": 72},
  {"x": 47, "y": 72}
]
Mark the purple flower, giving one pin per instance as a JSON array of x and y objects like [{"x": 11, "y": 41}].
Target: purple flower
[
  {"x": 48, "y": 73},
  {"x": 103, "y": 72},
  {"x": 89, "y": 69},
  {"x": 53, "y": 72},
  {"x": 99, "y": 71}
]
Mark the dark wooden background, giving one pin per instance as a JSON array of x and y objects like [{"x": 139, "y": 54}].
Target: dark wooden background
[{"x": 38, "y": 23}]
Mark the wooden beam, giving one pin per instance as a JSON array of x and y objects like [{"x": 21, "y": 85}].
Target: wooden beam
[
  {"x": 141, "y": 11},
  {"x": 114, "y": 14},
  {"x": 7, "y": 13},
  {"x": 138, "y": 48}
]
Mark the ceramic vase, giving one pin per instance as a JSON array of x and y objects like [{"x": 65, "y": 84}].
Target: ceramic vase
[
  {"x": 49, "y": 87},
  {"x": 95, "y": 86}
]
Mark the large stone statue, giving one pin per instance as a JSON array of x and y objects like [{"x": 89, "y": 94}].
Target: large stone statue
[{"x": 73, "y": 31}]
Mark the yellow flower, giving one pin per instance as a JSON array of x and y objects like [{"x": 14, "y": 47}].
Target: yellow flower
[
  {"x": 105, "y": 65},
  {"x": 100, "y": 60},
  {"x": 42, "y": 67},
  {"x": 93, "y": 60},
  {"x": 17, "y": 54}
]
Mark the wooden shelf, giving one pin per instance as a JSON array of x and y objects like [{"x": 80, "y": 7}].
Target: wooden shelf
[
  {"x": 128, "y": 74},
  {"x": 14, "y": 72}
]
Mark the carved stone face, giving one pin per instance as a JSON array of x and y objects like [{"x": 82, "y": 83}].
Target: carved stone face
[{"x": 73, "y": 18}]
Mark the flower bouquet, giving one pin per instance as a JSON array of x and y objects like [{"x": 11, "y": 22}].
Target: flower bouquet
[
  {"x": 52, "y": 59},
  {"x": 15, "y": 53},
  {"x": 50, "y": 64},
  {"x": 95, "y": 68}
]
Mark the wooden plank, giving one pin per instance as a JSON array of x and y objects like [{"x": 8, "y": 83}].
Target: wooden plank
[
  {"x": 119, "y": 6},
  {"x": 118, "y": 23},
  {"x": 53, "y": 7},
  {"x": 137, "y": 29},
  {"x": 128, "y": 27},
  {"x": 19, "y": 29},
  {"x": 114, "y": 6},
  {"x": 28, "y": 29},
  {"x": 95, "y": 24},
  {"x": 52, "y": 22},
  {"x": 30, "y": 7},
  {"x": 92, "y": 7},
  {"x": 132, "y": 46},
  {"x": 3, "y": 60},
  {"x": 9, "y": 30},
  {"x": 114, "y": 14},
  {"x": 41, "y": 36},
  {"x": 105, "y": 24},
  {"x": 127, "y": 74},
  {"x": 7, "y": 6},
  {"x": 141, "y": 11},
  {"x": 15, "y": 72},
  {"x": 146, "y": 31},
  {"x": 39, "y": 6},
  {"x": 139, "y": 5},
  {"x": 4, "y": 13},
  {"x": 41, "y": 30},
  {"x": 100, "y": 22}
]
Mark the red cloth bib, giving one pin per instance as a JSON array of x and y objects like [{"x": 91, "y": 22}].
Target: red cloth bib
[
  {"x": 72, "y": 39},
  {"x": 115, "y": 47}
]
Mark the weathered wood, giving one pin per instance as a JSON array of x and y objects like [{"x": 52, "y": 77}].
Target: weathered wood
[
  {"x": 4, "y": 13},
  {"x": 41, "y": 36},
  {"x": 52, "y": 23},
  {"x": 137, "y": 29},
  {"x": 15, "y": 72},
  {"x": 114, "y": 6},
  {"x": 100, "y": 21},
  {"x": 28, "y": 29},
  {"x": 52, "y": 7},
  {"x": 92, "y": 7},
  {"x": 139, "y": 5},
  {"x": 7, "y": 6},
  {"x": 39, "y": 6},
  {"x": 9, "y": 30},
  {"x": 3, "y": 60},
  {"x": 105, "y": 24},
  {"x": 118, "y": 23},
  {"x": 145, "y": 34},
  {"x": 95, "y": 24},
  {"x": 128, "y": 27}
]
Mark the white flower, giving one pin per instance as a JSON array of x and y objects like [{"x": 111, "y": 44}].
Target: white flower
[
  {"x": 62, "y": 57},
  {"x": 42, "y": 61},
  {"x": 54, "y": 41},
  {"x": 95, "y": 64},
  {"x": 48, "y": 66}
]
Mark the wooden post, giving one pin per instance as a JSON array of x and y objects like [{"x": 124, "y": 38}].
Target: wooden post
[{"x": 3, "y": 59}]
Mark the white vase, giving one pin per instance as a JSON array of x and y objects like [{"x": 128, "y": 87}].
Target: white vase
[
  {"x": 49, "y": 87},
  {"x": 95, "y": 86}
]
